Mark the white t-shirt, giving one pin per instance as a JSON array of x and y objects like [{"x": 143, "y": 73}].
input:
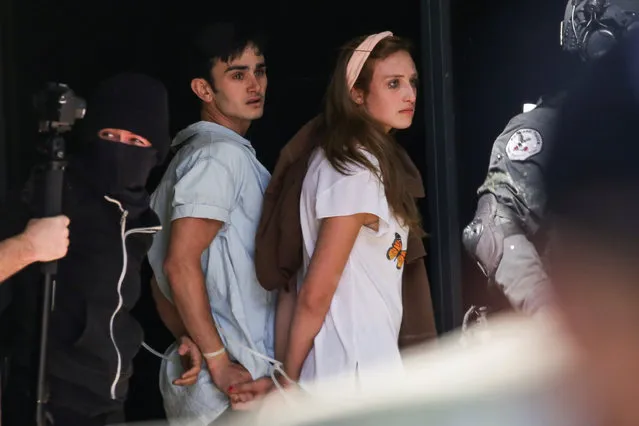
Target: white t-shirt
[{"x": 361, "y": 328}]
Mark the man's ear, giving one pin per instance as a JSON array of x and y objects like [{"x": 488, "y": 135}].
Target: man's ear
[
  {"x": 202, "y": 89},
  {"x": 357, "y": 95}
]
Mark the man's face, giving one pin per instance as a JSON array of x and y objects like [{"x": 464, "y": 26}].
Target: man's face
[
  {"x": 240, "y": 85},
  {"x": 597, "y": 291}
]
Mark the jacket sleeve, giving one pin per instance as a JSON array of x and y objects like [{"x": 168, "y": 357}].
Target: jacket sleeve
[
  {"x": 418, "y": 319},
  {"x": 521, "y": 275},
  {"x": 278, "y": 241},
  {"x": 510, "y": 209}
]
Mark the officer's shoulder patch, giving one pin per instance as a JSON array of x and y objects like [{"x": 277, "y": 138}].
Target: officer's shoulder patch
[{"x": 524, "y": 143}]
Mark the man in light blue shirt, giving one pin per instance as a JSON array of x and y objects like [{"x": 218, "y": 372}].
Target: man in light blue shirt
[{"x": 209, "y": 202}]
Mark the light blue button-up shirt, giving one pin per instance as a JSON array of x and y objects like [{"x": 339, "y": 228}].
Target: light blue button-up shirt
[{"x": 216, "y": 175}]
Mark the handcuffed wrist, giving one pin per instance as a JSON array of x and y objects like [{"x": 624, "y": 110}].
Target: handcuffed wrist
[{"x": 213, "y": 355}]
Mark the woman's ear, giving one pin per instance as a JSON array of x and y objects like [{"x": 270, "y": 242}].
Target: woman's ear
[{"x": 357, "y": 95}]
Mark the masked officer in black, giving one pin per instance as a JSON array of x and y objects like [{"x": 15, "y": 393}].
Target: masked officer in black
[
  {"x": 503, "y": 237},
  {"x": 93, "y": 336}
]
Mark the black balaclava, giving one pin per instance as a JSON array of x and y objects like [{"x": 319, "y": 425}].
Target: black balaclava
[{"x": 136, "y": 103}]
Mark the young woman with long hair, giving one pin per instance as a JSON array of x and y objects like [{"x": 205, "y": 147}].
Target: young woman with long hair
[{"x": 355, "y": 214}]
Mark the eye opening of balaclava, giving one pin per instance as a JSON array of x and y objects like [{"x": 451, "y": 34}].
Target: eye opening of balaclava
[{"x": 136, "y": 103}]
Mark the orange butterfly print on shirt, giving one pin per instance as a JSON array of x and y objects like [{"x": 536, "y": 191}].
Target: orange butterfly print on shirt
[{"x": 395, "y": 252}]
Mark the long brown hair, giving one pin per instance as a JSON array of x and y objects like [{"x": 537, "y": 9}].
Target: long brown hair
[{"x": 347, "y": 128}]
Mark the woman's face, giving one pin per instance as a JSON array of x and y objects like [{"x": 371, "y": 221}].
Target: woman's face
[{"x": 392, "y": 91}]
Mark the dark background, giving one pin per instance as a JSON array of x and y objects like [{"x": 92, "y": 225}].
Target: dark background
[{"x": 504, "y": 53}]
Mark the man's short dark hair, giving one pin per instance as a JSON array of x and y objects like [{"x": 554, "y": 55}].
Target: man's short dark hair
[
  {"x": 592, "y": 175},
  {"x": 222, "y": 41}
]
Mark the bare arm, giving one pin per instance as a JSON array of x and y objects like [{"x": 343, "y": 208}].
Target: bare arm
[
  {"x": 190, "y": 237},
  {"x": 43, "y": 240},
  {"x": 167, "y": 311},
  {"x": 188, "y": 350},
  {"x": 283, "y": 317},
  {"x": 15, "y": 254},
  {"x": 336, "y": 238}
]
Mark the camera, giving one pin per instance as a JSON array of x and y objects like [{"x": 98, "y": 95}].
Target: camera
[{"x": 57, "y": 108}]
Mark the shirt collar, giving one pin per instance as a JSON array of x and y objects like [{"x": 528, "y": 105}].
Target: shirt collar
[{"x": 220, "y": 130}]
